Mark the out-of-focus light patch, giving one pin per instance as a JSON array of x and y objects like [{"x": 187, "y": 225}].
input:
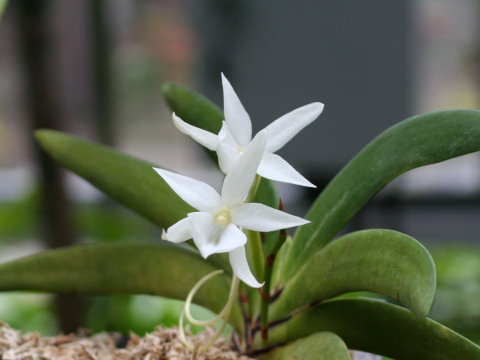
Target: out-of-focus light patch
[
  {"x": 81, "y": 190},
  {"x": 360, "y": 355},
  {"x": 28, "y": 312},
  {"x": 20, "y": 249},
  {"x": 455, "y": 177},
  {"x": 16, "y": 183}
]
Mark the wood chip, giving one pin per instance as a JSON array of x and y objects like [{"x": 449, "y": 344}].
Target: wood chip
[{"x": 162, "y": 344}]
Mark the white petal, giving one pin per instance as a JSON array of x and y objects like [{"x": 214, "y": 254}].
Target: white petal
[
  {"x": 275, "y": 168},
  {"x": 260, "y": 217},
  {"x": 195, "y": 193},
  {"x": 230, "y": 238},
  {"x": 203, "y": 137},
  {"x": 240, "y": 178},
  {"x": 205, "y": 232},
  {"x": 178, "y": 232},
  {"x": 235, "y": 115},
  {"x": 238, "y": 260},
  {"x": 227, "y": 156},
  {"x": 286, "y": 127}
]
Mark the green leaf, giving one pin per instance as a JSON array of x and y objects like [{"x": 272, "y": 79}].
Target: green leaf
[
  {"x": 120, "y": 268},
  {"x": 381, "y": 261},
  {"x": 318, "y": 346},
  {"x": 378, "y": 328},
  {"x": 19, "y": 219},
  {"x": 130, "y": 181},
  {"x": 415, "y": 142}
]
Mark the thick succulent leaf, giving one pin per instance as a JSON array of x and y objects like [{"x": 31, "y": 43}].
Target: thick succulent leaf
[
  {"x": 381, "y": 261},
  {"x": 318, "y": 346},
  {"x": 279, "y": 262},
  {"x": 377, "y": 327},
  {"x": 128, "y": 180},
  {"x": 415, "y": 142},
  {"x": 120, "y": 268}
]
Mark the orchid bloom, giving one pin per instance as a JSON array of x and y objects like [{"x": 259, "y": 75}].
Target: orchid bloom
[
  {"x": 236, "y": 134},
  {"x": 216, "y": 227}
]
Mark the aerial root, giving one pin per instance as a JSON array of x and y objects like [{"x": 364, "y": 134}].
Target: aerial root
[{"x": 223, "y": 315}]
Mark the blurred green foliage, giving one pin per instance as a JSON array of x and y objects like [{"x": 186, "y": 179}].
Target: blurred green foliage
[
  {"x": 28, "y": 312},
  {"x": 102, "y": 221},
  {"x": 18, "y": 219},
  {"x": 458, "y": 289}
]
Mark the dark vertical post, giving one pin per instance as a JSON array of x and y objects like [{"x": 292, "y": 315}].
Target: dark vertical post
[
  {"x": 101, "y": 71},
  {"x": 43, "y": 102}
]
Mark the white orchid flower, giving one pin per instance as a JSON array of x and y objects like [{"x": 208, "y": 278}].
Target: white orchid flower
[
  {"x": 216, "y": 227},
  {"x": 236, "y": 135}
]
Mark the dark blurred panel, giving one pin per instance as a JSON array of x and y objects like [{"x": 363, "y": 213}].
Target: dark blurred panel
[{"x": 279, "y": 55}]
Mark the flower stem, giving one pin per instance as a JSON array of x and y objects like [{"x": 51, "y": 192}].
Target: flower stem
[
  {"x": 265, "y": 290},
  {"x": 254, "y": 250},
  {"x": 254, "y": 188},
  {"x": 254, "y": 245}
]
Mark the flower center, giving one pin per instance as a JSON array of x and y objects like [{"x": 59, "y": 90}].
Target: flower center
[
  {"x": 240, "y": 151},
  {"x": 222, "y": 218}
]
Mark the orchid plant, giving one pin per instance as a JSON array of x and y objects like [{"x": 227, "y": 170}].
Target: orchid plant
[
  {"x": 282, "y": 296},
  {"x": 216, "y": 228}
]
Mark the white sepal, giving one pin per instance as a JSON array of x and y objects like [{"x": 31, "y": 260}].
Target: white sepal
[
  {"x": 235, "y": 115},
  {"x": 238, "y": 260},
  {"x": 240, "y": 178},
  {"x": 259, "y": 217},
  {"x": 195, "y": 193},
  {"x": 178, "y": 232},
  {"x": 282, "y": 130},
  {"x": 276, "y": 168},
  {"x": 203, "y": 137}
]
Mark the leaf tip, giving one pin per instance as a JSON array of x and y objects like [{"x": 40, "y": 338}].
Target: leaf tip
[
  {"x": 168, "y": 87},
  {"x": 43, "y": 136}
]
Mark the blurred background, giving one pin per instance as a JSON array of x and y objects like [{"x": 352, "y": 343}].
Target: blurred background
[{"x": 94, "y": 68}]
